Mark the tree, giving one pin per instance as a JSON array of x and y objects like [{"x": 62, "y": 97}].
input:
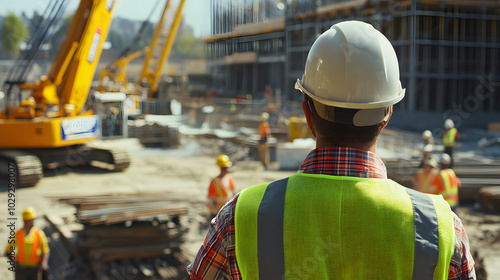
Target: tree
[
  {"x": 13, "y": 33},
  {"x": 188, "y": 46}
]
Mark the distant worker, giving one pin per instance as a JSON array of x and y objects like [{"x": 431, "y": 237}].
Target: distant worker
[
  {"x": 30, "y": 248},
  {"x": 339, "y": 217},
  {"x": 264, "y": 134},
  {"x": 425, "y": 179},
  {"x": 449, "y": 137},
  {"x": 221, "y": 188},
  {"x": 426, "y": 153},
  {"x": 427, "y": 137},
  {"x": 449, "y": 182}
]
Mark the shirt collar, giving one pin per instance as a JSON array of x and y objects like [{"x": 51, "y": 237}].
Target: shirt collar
[{"x": 343, "y": 161}]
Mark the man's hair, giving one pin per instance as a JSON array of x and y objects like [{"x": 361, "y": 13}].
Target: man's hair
[{"x": 343, "y": 133}]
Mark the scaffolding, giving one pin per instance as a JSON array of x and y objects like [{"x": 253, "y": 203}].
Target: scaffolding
[{"x": 448, "y": 49}]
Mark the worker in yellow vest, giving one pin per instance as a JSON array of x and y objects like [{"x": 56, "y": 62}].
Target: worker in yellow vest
[
  {"x": 221, "y": 188},
  {"x": 448, "y": 182},
  {"x": 339, "y": 217},
  {"x": 449, "y": 137},
  {"x": 32, "y": 254}
]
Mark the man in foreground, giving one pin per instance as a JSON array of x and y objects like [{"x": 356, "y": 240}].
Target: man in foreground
[{"x": 339, "y": 217}]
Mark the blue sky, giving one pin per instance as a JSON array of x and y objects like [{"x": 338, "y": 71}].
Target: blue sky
[{"x": 195, "y": 13}]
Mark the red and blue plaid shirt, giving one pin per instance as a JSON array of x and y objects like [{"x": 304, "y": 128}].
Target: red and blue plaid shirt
[{"x": 216, "y": 258}]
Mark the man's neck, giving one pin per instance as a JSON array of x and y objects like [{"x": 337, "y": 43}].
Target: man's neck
[{"x": 326, "y": 143}]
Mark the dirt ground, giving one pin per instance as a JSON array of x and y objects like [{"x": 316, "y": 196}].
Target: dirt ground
[{"x": 188, "y": 170}]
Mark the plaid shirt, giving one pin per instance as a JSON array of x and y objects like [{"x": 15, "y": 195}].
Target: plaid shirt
[{"x": 216, "y": 258}]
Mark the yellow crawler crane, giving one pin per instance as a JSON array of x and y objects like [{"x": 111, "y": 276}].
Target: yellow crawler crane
[
  {"x": 113, "y": 78},
  {"x": 52, "y": 126}
]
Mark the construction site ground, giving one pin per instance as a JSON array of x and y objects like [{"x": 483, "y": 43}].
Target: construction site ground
[{"x": 188, "y": 170}]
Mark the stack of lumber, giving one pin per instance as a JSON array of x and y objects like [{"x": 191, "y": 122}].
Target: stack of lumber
[
  {"x": 139, "y": 236},
  {"x": 489, "y": 197}
]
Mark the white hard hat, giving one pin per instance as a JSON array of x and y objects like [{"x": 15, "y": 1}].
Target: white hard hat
[
  {"x": 431, "y": 162},
  {"x": 264, "y": 116},
  {"x": 427, "y": 134},
  {"x": 449, "y": 124},
  {"x": 445, "y": 159},
  {"x": 428, "y": 148},
  {"x": 352, "y": 65}
]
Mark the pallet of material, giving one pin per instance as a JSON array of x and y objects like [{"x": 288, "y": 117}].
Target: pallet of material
[
  {"x": 489, "y": 197},
  {"x": 136, "y": 235}
]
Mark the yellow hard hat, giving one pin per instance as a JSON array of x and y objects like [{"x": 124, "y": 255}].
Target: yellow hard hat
[
  {"x": 223, "y": 161},
  {"x": 29, "y": 213}
]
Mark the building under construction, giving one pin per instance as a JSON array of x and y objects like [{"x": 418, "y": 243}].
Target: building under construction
[{"x": 448, "y": 49}]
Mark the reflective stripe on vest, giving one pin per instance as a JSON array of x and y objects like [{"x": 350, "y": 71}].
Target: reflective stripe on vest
[
  {"x": 277, "y": 236},
  {"x": 450, "y": 193},
  {"x": 449, "y": 137},
  {"x": 21, "y": 257}
]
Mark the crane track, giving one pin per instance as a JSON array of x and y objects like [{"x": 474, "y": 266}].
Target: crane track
[{"x": 29, "y": 168}]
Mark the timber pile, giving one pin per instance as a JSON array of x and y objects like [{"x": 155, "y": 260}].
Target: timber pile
[
  {"x": 489, "y": 197},
  {"x": 134, "y": 236}
]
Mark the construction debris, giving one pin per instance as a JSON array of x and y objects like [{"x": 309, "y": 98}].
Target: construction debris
[
  {"x": 136, "y": 236},
  {"x": 154, "y": 133}
]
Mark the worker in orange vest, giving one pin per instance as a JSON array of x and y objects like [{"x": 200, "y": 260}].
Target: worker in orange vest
[
  {"x": 425, "y": 179},
  {"x": 448, "y": 182},
  {"x": 264, "y": 134},
  {"x": 32, "y": 254},
  {"x": 221, "y": 188}
]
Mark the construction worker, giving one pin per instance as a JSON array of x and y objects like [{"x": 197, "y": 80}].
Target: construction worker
[
  {"x": 426, "y": 177},
  {"x": 427, "y": 137},
  {"x": 449, "y": 137},
  {"x": 32, "y": 254},
  {"x": 264, "y": 134},
  {"x": 426, "y": 153},
  {"x": 448, "y": 183},
  {"x": 339, "y": 217},
  {"x": 221, "y": 187}
]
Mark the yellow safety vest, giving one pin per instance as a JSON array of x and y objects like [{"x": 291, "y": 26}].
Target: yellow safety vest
[
  {"x": 329, "y": 227},
  {"x": 450, "y": 193},
  {"x": 449, "y": 137}
]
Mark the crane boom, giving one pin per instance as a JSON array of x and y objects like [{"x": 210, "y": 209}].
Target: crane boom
[
  {"x": 160, "y": 49},
  {"x": 53, "y": 115}
]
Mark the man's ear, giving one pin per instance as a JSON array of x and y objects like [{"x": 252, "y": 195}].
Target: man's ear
[
  {"x": 387, "y": 118},
  {"x": 308, "y": 114}
]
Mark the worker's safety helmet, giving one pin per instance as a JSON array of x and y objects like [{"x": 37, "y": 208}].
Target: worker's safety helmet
[
  {"x": 29, "y": 213},
  {"x": 428, "y": 148},
  {"x": 445, "y": 159},
  {"x": 449, "y": 124},
  {"x": 427, "y": 135},
  {"x": 264, "y": 116},
  {"x": 223, "y": 161},
  {"x": 431, "y": 162},
  {"x": 352, "y": 65}
]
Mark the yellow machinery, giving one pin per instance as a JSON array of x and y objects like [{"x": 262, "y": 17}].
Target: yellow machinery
[
  {"x": 113, "y": 78},
  {"x": 51, "y": 126}
]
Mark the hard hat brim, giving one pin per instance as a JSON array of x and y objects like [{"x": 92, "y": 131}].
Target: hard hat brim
[{"x": 352, "y": 105}]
